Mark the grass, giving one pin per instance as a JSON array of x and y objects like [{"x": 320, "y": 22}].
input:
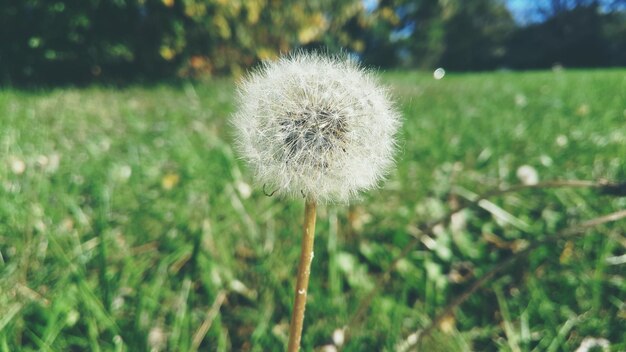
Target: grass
[{"x": 127, "y": 223}]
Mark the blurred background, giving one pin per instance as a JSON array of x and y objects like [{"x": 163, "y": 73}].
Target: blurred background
[{"x": 82, "y": 41}]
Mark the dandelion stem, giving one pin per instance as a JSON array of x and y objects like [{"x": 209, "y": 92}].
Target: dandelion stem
[{"x": 304, "y": 270}]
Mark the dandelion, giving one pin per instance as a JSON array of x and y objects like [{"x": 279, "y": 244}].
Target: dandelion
[{"x": 315, "y": 126}]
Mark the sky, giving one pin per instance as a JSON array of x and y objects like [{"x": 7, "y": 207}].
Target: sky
[
  {"x": 522, "y": 10},
  {"x": 519, "y": 8}
]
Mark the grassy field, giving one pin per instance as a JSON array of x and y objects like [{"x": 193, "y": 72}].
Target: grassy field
[{"x": 127, "y": 223}]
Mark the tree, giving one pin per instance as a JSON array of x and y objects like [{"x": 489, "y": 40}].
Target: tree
[
  {"x": 427, "y": 33},
  {"x": 406, "y": 32},
  {"x": 86, "y": 40},
  {"x": 476, "y": 35},
  {"x": 578, "y": 34}
]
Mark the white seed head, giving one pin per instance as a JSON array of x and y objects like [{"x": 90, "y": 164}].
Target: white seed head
[{"x": 316, "y": 125}]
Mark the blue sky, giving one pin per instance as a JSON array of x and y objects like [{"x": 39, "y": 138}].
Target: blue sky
[
  {"x": 522, "y": 10},
  {"x": 519, "y": 8}
]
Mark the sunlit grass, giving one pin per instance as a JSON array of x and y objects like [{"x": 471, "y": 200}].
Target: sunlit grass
[{"x": 127, "y": 223}]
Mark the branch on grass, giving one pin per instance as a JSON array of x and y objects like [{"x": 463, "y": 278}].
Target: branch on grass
[
  {"x": 415, "y": 338},
  {"x": 211, "y": 314},
  {"x": 605, "y": 187}
]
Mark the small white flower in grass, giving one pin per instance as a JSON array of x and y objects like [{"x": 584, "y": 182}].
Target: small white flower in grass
[
  {"x": 42, "y": 160},
  {"x": 157, "y": 339},
  {"x": 244, "y": 189},
  {"x": 439, "y": 73},
  {"x": 122, "y": 173},
  {"x": 18, "y": 166},
  {"x": 315, "y": 125},
  {"x": 546, "y": 160},
  {"x": 339, "y": 337},
  {"x": 520, "y": 100},
  {"x": 592, "y": 343},
  {"x": 528, "y": 175}
]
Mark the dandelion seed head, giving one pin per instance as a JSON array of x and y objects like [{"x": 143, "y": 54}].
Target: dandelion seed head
[{"x": 315, "y": 125}]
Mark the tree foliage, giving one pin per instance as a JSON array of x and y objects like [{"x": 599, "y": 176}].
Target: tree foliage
[
  {"x": 482, "y": 34},
  {"x": 407, "y": 32},
  {"x": 70, "y": 40},
  {"x": 582, "y": 36},
  {"x": 87, "y": 40},
  {"x": 476, "y": 36},
  {"x": 455, "y": 33}
]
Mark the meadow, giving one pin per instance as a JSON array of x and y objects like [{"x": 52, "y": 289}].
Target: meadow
[{"x": 127, "y": 223}]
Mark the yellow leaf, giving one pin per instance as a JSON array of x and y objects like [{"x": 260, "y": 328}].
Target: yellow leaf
[
  {"x": 167, "y": 53},
  {"x": 306, "y": 35},
  {"x": 447, "y": 324},
  {"x": 222, "y": 26},
  {"x": 195, "y": 10},
  {"x": 319, "y": 20},
  {"x": 358, "y": 45},
  {"x": 265, "y": 53},
  {"x": 567, "y": 252},
  {"x": 389, "y": 15},
  {"x": 254, "y": 11},
  {"x": 169, "y": 181},
  {"x": 315, "y": 29},
  {"x": 168, "y": 3}
]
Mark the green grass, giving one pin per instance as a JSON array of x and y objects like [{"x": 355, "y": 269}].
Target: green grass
[{"x": 132, "y": 223}]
